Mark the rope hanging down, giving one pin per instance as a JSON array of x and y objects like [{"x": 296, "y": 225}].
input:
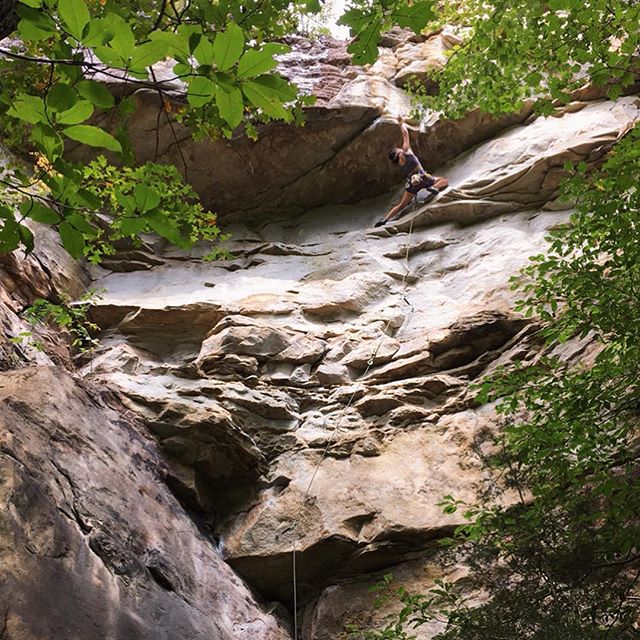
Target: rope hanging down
[{"x": 334, "y": 431}]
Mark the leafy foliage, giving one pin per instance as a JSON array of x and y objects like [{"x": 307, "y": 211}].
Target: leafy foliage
[
  {"x": 70, "y": 317},
  {"x": 563, "y": 561},
  {"x": 367, "y": 19},
  {"x": 439, "y": 605},
  {"x": 540, "y": 51},
  {"x": 145, "y": 199},
  {"x": 53, "y": 86}
]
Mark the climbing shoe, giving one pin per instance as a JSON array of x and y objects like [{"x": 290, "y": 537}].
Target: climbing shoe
[
  {"x": 433, "y": 191},
  {"x": 380, "y": 223}
]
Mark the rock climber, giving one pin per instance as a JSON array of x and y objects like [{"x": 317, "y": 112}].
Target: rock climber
[{"x": 417, "y": 177}]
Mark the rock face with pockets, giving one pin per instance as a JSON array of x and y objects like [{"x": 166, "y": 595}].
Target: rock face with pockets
[
  {"x": 344, "y": 355},
  {"x": 312, "y": 392}
]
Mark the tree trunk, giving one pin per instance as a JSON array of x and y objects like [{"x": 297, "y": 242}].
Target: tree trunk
[{"x": 8, "y": 17}]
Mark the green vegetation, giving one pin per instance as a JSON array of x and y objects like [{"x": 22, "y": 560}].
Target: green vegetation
[
  {"x": 151, "y": 197},
  {"x": 563, "y": 562},
  {"x": 367, "y": 19},
  {"x": 50, "y": 92},
  {"x": 517, "y": 51},
  {"x": 53, "y": 84},
  {"x": 72, "y": 318}
]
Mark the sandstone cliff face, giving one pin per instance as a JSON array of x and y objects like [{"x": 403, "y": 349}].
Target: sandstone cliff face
[
  {"x": 312, "y": 392},
  {"x": 93, "y": 543}
]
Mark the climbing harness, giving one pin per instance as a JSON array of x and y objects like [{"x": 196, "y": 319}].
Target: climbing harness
[{"x": 334, "y": 431}]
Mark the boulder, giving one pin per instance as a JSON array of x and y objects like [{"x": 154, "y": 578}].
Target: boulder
[
  {"x": 243, "y": 337},
  {"x": 94, "y": 544},
  {"x": 417, "y": 61},
  {"x": 380, "y": 507},
  {"x": 352, "y": 602}
]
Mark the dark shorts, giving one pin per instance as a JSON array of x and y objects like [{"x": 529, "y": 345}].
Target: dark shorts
[{"x": 417, "y": 181}]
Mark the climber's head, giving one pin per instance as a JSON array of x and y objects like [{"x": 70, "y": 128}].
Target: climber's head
[{"x": 397, "y": 156}]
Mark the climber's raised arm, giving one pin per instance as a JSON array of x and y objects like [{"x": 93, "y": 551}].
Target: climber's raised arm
[
  {"x": 406, "y": 144},
  {"x": 416, "y": 177}
]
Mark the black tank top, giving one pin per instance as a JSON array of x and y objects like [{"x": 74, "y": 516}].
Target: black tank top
[{"x": 412, "y": 164}]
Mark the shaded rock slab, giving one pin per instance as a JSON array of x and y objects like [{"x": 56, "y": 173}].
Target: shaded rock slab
[
  {"x": 339, "y": 156},
  {"x": 352, "y": 601},
  {"x": 93, "y": 543},
  {"x": 363, "y": 512}
]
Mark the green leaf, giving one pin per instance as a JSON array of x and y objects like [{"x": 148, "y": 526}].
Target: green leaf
[
  {"x": 6, "y": 213},
  {"x": 96, "y": 93},
  {"x": 145, "y": 197},
  {"x": 61, "y": 97},
  {"x": 267, "y": 98},
  {"x": 148, "y": 54},
  {"x": 110, "y": 57},
  {"x": 86, "y": 199},
  {"x": 177, "y": 44},
  {"x": 166, "y": 228},
  {"x": 355, "y": 19},
  {"x": 258, "y": 61},
  {"x": 28, "y": 108},
  {"x": 35, "y": 4},
  {"x": 48, "y": 141},
  {"x": 72, "y": 239},
  {"x": 228, "y": 46},
  {"x": 92, "y": 136},
  {"x": 277, "y": 87},
  {"x": 123, "y": 42},
  {"x": 415, "y": 16},
  {"x": 100, "y": 32},
  {"x": 614, "y": 92},
  {"x": 75, "y": 15},
  {"x": 26, "y": 237},
  {"x": 126, "y": 201},
  {"x": 132, "y": 226},
  {"x": 364, "y": 48},
  {"x": 312, "y": 6},
  {"x": 204, "y": 51},
  {"x": 201, "y": 91},
  {"x": 77, "y": 114},
  {"x": 230, "y": 104},
  {"x": 35, "y": 25},
  {"x": 9, "y": 236},
  {"x": 39, "y": 213},
  {"x": 80, "y": 223}
]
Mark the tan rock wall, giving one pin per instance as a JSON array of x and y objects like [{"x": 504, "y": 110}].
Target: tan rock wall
[
  {"x": 311, "y": 393},
  {"x": 346, "y": 468}
]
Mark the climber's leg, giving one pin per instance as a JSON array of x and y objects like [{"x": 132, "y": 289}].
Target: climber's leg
[
  {"x": 439, "y": 183},
  {"x": 406, "y": 199}
]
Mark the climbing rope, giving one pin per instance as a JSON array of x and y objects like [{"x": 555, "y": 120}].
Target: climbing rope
[{"x": 335, "y": 429}]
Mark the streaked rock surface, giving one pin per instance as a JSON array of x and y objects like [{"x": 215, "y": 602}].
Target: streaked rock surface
[
  {"x": 313, "y": 392},
  {"x": 94, "y": 545},
  {"x": 325, "y": 339}
]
